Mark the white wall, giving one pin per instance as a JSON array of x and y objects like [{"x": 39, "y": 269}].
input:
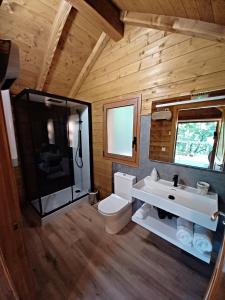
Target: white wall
[{"x": 86, "y": 150}]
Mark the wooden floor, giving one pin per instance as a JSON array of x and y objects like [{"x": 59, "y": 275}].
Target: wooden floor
[{"x": 73, "y": 258}]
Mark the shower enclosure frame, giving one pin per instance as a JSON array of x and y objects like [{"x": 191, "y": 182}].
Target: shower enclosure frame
[{"x": 26, "y": 93}]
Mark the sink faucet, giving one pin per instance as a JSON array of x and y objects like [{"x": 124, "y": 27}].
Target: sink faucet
[{"x": 175, "y": 180}]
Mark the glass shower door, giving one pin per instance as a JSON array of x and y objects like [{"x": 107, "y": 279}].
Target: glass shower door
[
  {"x": 52, "y": 154},
  {"x": 54, "y": 142}
]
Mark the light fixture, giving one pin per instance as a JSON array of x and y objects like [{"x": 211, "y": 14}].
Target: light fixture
[
  {"x": 162, "y": 115},
  {"x": 194, "y": 100}
]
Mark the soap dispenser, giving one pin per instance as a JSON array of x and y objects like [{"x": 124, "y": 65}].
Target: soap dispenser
[{"x": 154, "y": 175}]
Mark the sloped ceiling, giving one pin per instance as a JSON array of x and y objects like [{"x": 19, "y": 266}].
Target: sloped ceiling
[
  {"x": 212, "y": 11},
  {"x": 29, "y": 24},
  {"x": 75, "y": 45}
]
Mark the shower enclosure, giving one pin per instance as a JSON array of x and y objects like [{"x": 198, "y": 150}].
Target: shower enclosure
[{"x": 54, "y": 138}]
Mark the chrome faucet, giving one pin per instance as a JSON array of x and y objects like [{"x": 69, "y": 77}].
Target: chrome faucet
[{"x": 175, "y": 180}]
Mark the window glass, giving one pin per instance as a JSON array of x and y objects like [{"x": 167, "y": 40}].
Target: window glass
[
  {"x": 120, "y": 130},
  {"x": 194, "y": 143}
]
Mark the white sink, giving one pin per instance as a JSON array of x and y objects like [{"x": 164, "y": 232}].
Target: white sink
[{"x": 187, "y": 203}]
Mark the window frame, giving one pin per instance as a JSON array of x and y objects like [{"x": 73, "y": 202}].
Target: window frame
[{"x": 127, "y": 160}]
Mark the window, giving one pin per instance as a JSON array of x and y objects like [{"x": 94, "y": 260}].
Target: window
[
  {"x": 194, "y": 144},
  {"x": 121, "y": 131}
]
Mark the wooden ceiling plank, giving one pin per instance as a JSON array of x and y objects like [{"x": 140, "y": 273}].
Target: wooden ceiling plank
[
  {"x": 219, "y": 11},
  {"x": 168, "y": 8},
  {"x": 56, "y": 31},
  {"x": 191, "y": 9},
  {"x": 100, "y": 45},
  {"x": 214, "y": 32},
  {"x": 178, "y": 8},
  {"x": 156, "y": 8},
  {"x": 103, "y": 13},
  {"x": 205, "y": 10},
  {"x": 86, "y": 25}
]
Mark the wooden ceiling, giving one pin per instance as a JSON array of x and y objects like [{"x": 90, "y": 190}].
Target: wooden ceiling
[
  {"x": 212, "y": 11},
  {"x": 60, "y": 40},
  {"x": 75, "y": 45},
  {"x": 29, "y": 24}
]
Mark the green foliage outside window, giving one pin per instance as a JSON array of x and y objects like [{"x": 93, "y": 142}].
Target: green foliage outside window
[{"x": 195, "y": 138}]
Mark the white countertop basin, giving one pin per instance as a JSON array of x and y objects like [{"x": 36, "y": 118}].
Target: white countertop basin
[{"x": 187, "y": 202}]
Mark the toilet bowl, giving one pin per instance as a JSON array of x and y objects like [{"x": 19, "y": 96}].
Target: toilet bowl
[{"x": 117, "y": 208}]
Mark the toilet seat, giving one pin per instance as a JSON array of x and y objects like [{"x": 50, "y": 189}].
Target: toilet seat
[{"x": 112, "y": 204}]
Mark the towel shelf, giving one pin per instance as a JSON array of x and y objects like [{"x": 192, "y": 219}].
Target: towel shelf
[{"x": 167, "y": 229}]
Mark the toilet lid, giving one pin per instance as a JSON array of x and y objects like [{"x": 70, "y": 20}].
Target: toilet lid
[{"x": 112, "y": 204}]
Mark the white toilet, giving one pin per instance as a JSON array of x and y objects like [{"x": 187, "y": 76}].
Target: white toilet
[{"x": 117, "y": 208}]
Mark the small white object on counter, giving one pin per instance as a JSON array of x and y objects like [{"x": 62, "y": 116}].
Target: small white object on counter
[
  {"x": 154, "y": 175},
  {"x": 203, "y": 187}
]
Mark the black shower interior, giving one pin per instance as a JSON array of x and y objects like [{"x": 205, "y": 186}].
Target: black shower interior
[{"x": 48, "y": 167}]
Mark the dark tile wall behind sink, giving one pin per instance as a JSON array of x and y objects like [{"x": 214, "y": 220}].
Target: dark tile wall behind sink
[{"x": 188, "y": 175}]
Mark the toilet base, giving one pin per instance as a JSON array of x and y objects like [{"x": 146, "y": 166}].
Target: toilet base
[{"x": 115, "y": 223}]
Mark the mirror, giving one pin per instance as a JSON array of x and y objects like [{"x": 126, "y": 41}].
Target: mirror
[{"x": 189, "y": 133}]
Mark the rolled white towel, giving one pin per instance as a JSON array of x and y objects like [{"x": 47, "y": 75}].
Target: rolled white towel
[
  {"x": 202, "y": 239},
  {"x": 184, "y": 231},
  {"x": 142, "y": 212}
]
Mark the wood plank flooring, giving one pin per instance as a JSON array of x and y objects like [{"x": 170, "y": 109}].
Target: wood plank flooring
[{"x": 73, "y": 258}]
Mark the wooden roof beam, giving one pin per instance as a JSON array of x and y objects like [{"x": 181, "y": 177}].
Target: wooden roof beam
[
  {"x": 211, "y": 31},
  {"x": 99, "y": 46},
  {"x": 57, "y": 28},
  {"x": 104, "y": 13}
]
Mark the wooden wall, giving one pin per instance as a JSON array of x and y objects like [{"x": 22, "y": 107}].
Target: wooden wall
[
  {"x": 154, "y": 64},
  {"x": 162, "y": 137},
  {"x": 11, "y": 233}
]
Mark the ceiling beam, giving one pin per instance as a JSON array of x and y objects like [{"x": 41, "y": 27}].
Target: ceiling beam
[
  {"x": 100, "y": 45},
  {"x": 104, "y": 13},
  {"x": 211, "y": 31},
  {"x": 56, "y": 31}
]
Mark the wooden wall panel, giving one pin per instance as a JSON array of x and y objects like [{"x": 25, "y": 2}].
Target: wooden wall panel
[
  {"x": 11, "y": 232},
  {"x": 151, "y": 63},
  {"x": 7, "y": 288}
]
